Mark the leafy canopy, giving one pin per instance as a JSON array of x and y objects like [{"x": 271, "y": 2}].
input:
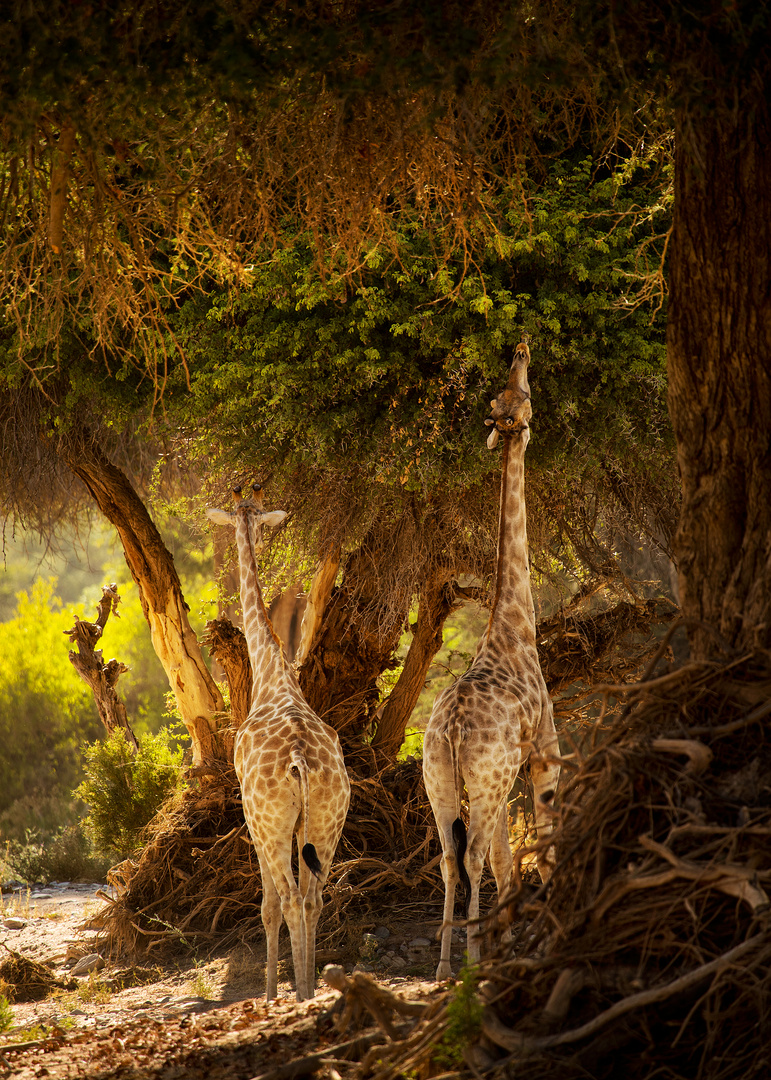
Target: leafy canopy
[{"x": 358, "y": 398}]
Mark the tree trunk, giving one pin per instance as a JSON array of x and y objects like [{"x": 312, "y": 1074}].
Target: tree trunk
[
  {"x": 317, "y": 600},
  {"x": 160, "y": 592},
  {"x": 437, "y": 599},
  {"x": 719, "y": 357},
  {"x": 227, "y": 645},
  {"x": 355, "y": 643}
]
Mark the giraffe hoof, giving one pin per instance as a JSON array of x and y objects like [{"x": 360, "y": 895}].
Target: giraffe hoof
[{"x": 444, "y": 971}]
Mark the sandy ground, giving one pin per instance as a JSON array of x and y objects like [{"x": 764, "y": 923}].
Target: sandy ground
[{"x": 166, "y": 1010}]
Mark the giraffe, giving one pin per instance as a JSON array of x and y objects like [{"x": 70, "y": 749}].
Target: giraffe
[
  {"x": 483, "y": 726},
  {"x": 289, "y": 765}
]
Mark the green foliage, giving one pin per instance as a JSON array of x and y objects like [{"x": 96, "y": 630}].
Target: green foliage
[
  {"x": 66, "y": 856},
  {"x": 412, "y": 745},
  {"x": 391, "y": 375},
  {"x": 46, "y": 714},
  {"x": 123, "y": 792},
  {"x": 6, "y": 1014},
  {"x": 464, "y": 1021},
  {"x": 363, "y": 400},
  {"x": 74, "y": 563}
]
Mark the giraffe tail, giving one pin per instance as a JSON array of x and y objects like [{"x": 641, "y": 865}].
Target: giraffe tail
[
  {"x": 459, "y": 839},
  {"x": 459, "y": 835},
  {"x": 308, "y": 852},
  {"x": 311, "y": 859}
]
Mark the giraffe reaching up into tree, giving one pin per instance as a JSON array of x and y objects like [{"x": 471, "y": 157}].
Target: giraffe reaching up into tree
[
  {"x": 290, "y": 768},
  {"x": 484, "y": 726}
]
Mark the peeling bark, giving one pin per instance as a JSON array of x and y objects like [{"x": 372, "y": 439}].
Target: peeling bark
[
  {"x": 227, "y": 645},
  {"x": 316, "y": 602}
]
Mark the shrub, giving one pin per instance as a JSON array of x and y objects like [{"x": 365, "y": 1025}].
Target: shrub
[
  {"x": 65, "y": 856},
  {"x": 123, "y": 792},
  {"x": 46, "y": 713},
  {"x": 6, "y": 1015}
]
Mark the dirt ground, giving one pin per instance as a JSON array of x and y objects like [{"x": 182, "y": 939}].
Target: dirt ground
[{"x": 194, "y": 1015}]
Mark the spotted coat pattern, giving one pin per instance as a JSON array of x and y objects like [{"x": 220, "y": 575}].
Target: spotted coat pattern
[
  {"x": 491, "y": 719},
  {"x": 292, "y": 776}
]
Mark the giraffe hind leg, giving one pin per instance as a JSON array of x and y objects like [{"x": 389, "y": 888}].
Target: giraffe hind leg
[
  {"x": 450, "y": 876},
  {"x": 271, "y": 921},
  {"x": 292, "y": 911}
]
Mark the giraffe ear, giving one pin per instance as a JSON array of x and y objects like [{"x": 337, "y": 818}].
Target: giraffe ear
[
  {"x": 220, "y": 517},
  {"x": 273, "y": 517}
]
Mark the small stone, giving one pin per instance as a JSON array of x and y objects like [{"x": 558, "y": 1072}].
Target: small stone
[
  {"x": 420, "y": 943},
  {"x": 92, "y": 962},
  {"x": 382, "y": 932},
  {"x": 12, "y": 923},
  {"x": 399, "y": 962}
]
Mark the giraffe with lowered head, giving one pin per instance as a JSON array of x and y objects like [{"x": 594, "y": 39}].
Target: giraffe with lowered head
[
  {"x": 486, "y": 724},
  {"x": 289, "y": 765}
]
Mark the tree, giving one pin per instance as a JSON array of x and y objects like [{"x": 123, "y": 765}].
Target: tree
[
  {"x": 358, "y": 400},
  {"x": 712, "y": 66},
  {"x": 60, "y": 439},
  {"x": 391, "y": 138}
]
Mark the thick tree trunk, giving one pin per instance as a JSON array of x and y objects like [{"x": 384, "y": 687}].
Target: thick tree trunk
[
  {"x": 354, "y": 644},
  {"x": 719, "y": 355},
  {"x": 160, "y": 592},
  {"x": 438, "y": 598}
]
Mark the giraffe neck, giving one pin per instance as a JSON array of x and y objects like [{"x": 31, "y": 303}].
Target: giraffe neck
[
  {"x": 512, "y": 607},
  {"x": 266, "y": 654}
]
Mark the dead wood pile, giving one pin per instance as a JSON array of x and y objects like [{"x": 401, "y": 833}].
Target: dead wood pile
[
  {"x": 24, "y": 979},
  {"x": 197, "y": 879},
  {"x": 649, "y": 952}
]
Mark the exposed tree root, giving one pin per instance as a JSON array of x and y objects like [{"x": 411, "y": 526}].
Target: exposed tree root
[{"x": 648, "y": 953}]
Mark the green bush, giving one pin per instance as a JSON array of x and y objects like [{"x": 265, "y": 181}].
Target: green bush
[
  {"x": 66, "y": 856},
  {"x": 6, "y": 1015},
  {"x": 123, "y": 792},
  {"x": 46, "y": 713}
]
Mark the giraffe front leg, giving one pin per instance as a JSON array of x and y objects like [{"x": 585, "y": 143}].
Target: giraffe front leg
[
  {"x": 475, "y": 860},
  {"x": 501, "y": 862},
  {"x": 545, "y": 773},
  {"x": 311, "y": 889}
]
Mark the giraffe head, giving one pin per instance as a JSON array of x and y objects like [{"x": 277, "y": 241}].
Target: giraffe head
[
  {"x": 512, "y": 410},
  {"x": 252, "y": 510}
]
